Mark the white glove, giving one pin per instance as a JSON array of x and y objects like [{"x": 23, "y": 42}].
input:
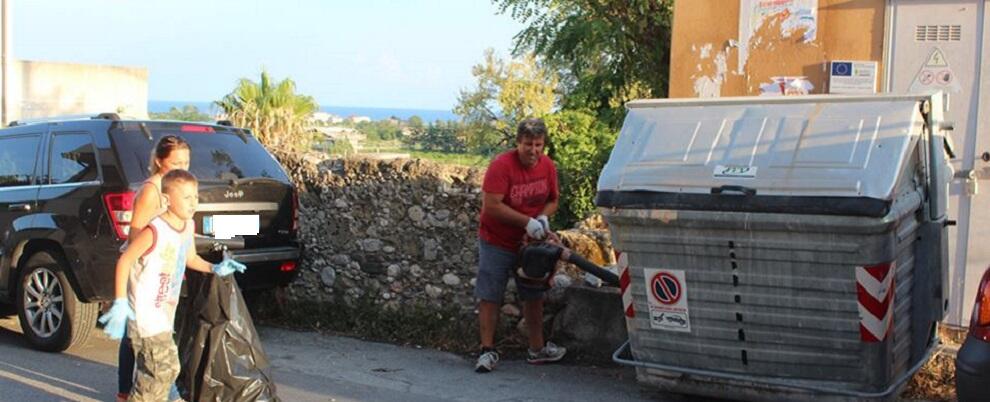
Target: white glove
[
  {"x": 535, "y": 229},
  {"x": 545, "y": 222}
]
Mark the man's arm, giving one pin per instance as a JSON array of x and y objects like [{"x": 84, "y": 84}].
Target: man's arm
[
  {"x": 551, "y": 207},
  {"x": 139, "y": 244},
  {"x": 492, "y": 205}
]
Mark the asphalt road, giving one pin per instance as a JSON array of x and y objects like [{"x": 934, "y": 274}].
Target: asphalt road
[{"x": 313, "y": 367}]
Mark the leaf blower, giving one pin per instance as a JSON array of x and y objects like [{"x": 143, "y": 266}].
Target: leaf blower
[{"x": 538, "y": 260}]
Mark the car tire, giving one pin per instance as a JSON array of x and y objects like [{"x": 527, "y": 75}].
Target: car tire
[{"x": 52, "y": 317}]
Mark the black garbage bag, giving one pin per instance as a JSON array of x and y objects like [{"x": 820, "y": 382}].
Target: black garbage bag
[{"x": 219, "y": 349}]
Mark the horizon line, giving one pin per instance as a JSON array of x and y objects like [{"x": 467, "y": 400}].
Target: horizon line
[{"x": 450, "y": 110}]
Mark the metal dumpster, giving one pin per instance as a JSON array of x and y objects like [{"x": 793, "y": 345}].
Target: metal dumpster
[{"x": 780, "y": 248}]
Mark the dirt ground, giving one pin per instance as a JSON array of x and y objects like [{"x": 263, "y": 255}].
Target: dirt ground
[{"x": 936, "y": 381}]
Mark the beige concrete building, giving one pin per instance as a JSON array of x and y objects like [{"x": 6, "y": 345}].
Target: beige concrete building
[{"x": 42, "y": 89}]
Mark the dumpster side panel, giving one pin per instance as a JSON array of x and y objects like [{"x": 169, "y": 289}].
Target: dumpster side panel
[
  {"x": 776, "y": 244},
  {"x": 770, "y": 297}
]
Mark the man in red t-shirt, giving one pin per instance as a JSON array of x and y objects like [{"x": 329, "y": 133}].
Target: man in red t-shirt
[{"x": 519, "y": 192}]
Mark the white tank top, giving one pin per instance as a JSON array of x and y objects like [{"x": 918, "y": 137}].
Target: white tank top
[{"x": 156, "y": 280}]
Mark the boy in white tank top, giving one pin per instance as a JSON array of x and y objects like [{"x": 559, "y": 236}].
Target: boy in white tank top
[{"x": 147, "y": 294}]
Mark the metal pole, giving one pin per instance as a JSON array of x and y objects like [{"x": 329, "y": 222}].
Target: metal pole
[{"x": 5, "y": 63}]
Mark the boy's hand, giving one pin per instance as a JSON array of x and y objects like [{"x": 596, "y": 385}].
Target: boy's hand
[
  {"x": 227, "y": 267},
  {"x": 115, "y": 321}
]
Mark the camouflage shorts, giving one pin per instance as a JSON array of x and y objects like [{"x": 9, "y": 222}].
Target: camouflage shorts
[{"x": 157, "y": 366}]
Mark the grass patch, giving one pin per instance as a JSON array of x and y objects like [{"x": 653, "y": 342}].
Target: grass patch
[
  {"x": 388, "y": 146},
  {"x": 451, "y": 158}
]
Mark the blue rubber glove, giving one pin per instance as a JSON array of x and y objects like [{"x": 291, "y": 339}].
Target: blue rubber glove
[
  {"x": 115, "y": 321},
  {"x": 173, "y": 393},
  {"x": 227, "y": 267}
]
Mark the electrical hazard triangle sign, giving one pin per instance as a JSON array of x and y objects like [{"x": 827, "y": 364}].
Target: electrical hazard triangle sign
[
  {"x": 935, "y": 75},
  {"x": 937, "y": 59}
]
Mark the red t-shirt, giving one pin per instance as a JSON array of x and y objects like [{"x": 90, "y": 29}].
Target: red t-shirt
[{"x": 525, "y": 190}]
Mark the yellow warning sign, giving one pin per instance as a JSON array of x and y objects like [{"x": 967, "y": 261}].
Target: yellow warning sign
[
  {"x": 935, "y": 75},
  {"x": 937, "y": 59}
]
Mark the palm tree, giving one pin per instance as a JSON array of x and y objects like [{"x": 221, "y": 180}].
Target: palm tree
[{"x": 273, "y": 110}]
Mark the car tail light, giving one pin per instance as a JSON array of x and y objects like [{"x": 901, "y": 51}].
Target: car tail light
[
  {"x": 119, "y": 207},
  {"x": 979, "y": 326},
  {"x": 193, "y": 128},
  {"x": 295, "y": 210},
  {"x": 287, "y": 266}
]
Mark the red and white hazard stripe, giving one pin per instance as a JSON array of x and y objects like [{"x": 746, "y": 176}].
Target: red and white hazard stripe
[
  {"x": 624, "y": 281},
  {"x": 875, "y": 291}
]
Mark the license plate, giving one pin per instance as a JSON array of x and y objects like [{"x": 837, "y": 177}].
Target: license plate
[{"x": 228, "y": 226}]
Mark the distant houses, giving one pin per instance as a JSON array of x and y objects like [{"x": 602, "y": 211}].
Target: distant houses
[
  {"x": 325, "y": 119},
  {"x": 335, "y": 134}
]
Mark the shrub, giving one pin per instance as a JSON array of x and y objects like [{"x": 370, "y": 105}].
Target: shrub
[{"x": 579, "y": 145}]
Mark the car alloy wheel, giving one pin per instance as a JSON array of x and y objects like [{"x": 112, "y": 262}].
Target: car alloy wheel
[{"x": 44, "y": 302}]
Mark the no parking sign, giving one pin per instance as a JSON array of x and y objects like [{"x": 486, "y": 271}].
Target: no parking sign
[{"x": 666, "y": 292}]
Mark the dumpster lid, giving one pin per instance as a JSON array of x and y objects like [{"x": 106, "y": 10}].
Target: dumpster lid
[{"x": 814, "y": 146}]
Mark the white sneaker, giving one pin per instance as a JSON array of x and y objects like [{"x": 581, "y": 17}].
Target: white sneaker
[
  {"x": 549, "y": 354},
  {"x": 486, "y": 362}
]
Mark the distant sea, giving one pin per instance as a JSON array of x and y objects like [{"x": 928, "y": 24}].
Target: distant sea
[{"x": 375, "y": 113}]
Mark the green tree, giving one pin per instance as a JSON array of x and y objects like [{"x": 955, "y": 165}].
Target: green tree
[
  {"x": 608, "y": 52},
  {"x": 272, "y": 110},
  {"x": 379, "y": 130},
  {"x": 579, "y": 145},
  {"x": 416, "y": 123},
  {"x": 187, "y": 113},
  {"x": 506, "y": 92},
  {"x": 442, "y": 136}
]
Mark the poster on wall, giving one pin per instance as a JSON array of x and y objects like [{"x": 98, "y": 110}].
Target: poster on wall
[
  {"x": 798, "y": 15},
  {"x": 852, "y": 77}
]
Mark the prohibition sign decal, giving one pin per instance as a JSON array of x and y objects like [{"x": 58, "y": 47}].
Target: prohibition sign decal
[
  {"x": 666, "y": 288},
  {"x": 667, "y": 299}
]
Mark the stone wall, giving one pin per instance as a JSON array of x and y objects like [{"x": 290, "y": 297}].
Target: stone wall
[
  {"x": 397, "y": 232},
  {"x": 403, "y": 233}
]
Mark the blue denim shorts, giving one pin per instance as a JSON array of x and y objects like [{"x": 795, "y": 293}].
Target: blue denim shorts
[{"x": 495, "y": 266}]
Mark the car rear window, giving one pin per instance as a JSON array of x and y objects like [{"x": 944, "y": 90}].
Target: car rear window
[{"x": 218, "y": 153}]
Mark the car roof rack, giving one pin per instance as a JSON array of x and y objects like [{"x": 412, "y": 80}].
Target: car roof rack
[
  {"x": 72, "y": 117},
  {"x": 107, "y": 116}
]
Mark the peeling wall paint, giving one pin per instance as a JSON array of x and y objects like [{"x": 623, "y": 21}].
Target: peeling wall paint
[
  {"x": 706, "y": 51},
  {"x": 710, "y": 85},
  {"x": 798, "y": 16},
  {"x": 706, "y": 45},
  {"x": 769, "y": 41}
]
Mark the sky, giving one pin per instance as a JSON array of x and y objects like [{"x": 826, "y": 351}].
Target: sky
[{"x": 413, "y": 54}]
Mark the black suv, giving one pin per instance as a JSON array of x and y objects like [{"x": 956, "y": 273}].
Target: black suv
[{"x": 66, "y": 191}]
